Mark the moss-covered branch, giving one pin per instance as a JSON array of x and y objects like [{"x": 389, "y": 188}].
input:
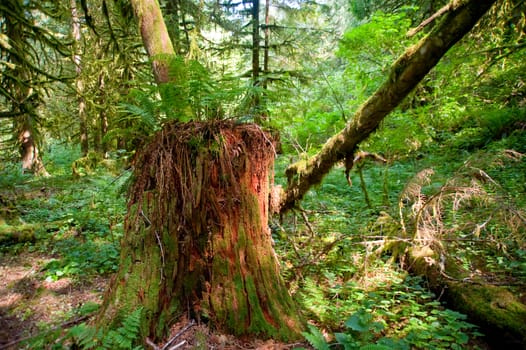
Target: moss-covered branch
[{"x": 405, "y": 74}]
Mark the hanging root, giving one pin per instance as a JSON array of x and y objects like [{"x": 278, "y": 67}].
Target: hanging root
[{"x": 190, "y": 158}]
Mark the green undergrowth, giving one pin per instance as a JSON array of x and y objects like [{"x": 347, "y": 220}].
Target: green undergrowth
[
  {"x": 350, "y": 283},
  {"x": 78, "y": 222},
  {"x": 395, "y": 313},
  {"x": 353, "y": 290},
  {"x": 85, "y": 336}
]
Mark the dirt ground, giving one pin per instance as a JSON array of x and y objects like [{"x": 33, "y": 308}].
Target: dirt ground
[{"x": 30, "y": 304}]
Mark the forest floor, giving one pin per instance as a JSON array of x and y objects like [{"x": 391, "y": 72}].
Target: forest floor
[
  {"x": 30, "y": 303},
  {"x": 55, "y": 278},
  {"x": 32, "y": 306}
]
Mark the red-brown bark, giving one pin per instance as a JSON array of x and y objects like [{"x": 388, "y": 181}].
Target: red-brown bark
[{"x": 197, "y": 240}]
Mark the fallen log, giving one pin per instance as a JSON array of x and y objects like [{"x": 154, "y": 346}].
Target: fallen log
[
  {"x": 12, "y": 234},
  {"x": 496, "y": 308}
]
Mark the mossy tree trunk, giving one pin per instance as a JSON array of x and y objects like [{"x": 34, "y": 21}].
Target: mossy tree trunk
[
  {"x": 499, "y": 311},
  {"x": 197, "y": 241},
  {"x": 405, "y": 74},
  {"x": 155, "y": 37},
  {"x": 79, "y": 80}
]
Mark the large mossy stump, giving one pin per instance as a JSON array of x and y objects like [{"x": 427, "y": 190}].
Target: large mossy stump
[{"x": 197, "y": 241}]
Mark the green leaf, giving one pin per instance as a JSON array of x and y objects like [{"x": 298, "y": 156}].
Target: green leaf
[
  {"x": 347, "y": 340},
  {"x": 359, "y": 321}
]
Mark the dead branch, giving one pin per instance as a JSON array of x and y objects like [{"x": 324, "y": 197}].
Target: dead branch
[
  {"x": 181, "y": 332},
  {"x": 422, "y": 25},
  {"x": 359, "y": 158}
]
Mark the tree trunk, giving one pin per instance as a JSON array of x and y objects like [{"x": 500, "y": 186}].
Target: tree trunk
[
  {"x": 255, "y": 42},
  {"x": 197, "y": 241},
  {"x": 31, "y": 160},
  {"x": 154, "y": 36},
  {"x": 405, "y": 74},
  {"x": 495, "y": 308},
  {"x": 79, "y": 84},
  {"x": 23, "y": 99},
  {"x": 267, "y": 44},
  {"x": 255, "y": 103},
  {"x": 101, "y": 126}
]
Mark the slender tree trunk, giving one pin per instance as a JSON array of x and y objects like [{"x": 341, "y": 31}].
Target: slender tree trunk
[
  {"x": 154, "y": 36},
  {"x": 405, "y": 74},
  {"x": 267, "y": 43},
  {"x": 79, "y": 84},
  {"x": 24, "y": 99},
  {"x": 102, "y": 125},
  {"x": 256, "y": 98},
  {"x": 255, "y": 42},
  {"x": 197, "y": 241}
]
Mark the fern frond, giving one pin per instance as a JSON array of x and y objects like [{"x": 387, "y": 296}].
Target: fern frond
[
  {"x": 413, "y": 188},
  {"x": 316, "y": 338}
]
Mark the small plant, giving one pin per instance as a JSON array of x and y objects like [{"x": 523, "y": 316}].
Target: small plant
[
  {"x": 82, "y": 259},
  {"x": 123, "y": 337},
  {"x": 400, "y": 316}
]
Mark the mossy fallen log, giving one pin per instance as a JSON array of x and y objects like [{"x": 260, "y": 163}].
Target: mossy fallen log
[
  {"x": 11, "y": 234},
  {"x": 497, "y": 309},
  {"x": 17, "y": 234}
]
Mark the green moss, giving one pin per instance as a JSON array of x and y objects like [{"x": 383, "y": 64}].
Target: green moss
[
  {"x": 86, "y": 165},
  {"x": 17, "y": 233},
  {"x": 494, "y": 307}
]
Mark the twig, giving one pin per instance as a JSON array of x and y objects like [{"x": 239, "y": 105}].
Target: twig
[
  {"x": 177, "y": 346},
  {"x": 421, "y": 26},
  {"x": 307, "y": 222},
  {"x": 152, "y": 344},
  {"x": 169, "y": 343}
]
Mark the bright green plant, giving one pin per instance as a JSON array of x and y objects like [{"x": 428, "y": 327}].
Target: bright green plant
[
  {"x": 123, "y": 337},
  {"x": 82, "y": 259},
  {"x": 192, "y": 95},
  {"x": 402, "y": 315}
]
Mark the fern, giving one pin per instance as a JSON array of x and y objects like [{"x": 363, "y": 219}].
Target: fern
[
  {"x": 316, "y": 338},
  {"x": 124, "y": 337},
  {"x": 375, "y": 347},
  {"x": 84, "y": 336}
]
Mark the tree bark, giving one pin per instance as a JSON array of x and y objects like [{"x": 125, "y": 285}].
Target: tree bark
[
  {"x": 31, "y": 160},
  {"x": 23, "y": 99},
  {"x": 405, "y": 74},
  {"x": 267, "y": 44},
  {"x": 197, "y": 241},
  {"x": 495, "y": 308},
  {"x": 155, "y": 37},
  {"x": 255, "y": 42},
  {"x": 79, "y": 83}
]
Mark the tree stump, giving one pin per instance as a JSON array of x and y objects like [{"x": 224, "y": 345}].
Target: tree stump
[{"x": 197, "y": 241}]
